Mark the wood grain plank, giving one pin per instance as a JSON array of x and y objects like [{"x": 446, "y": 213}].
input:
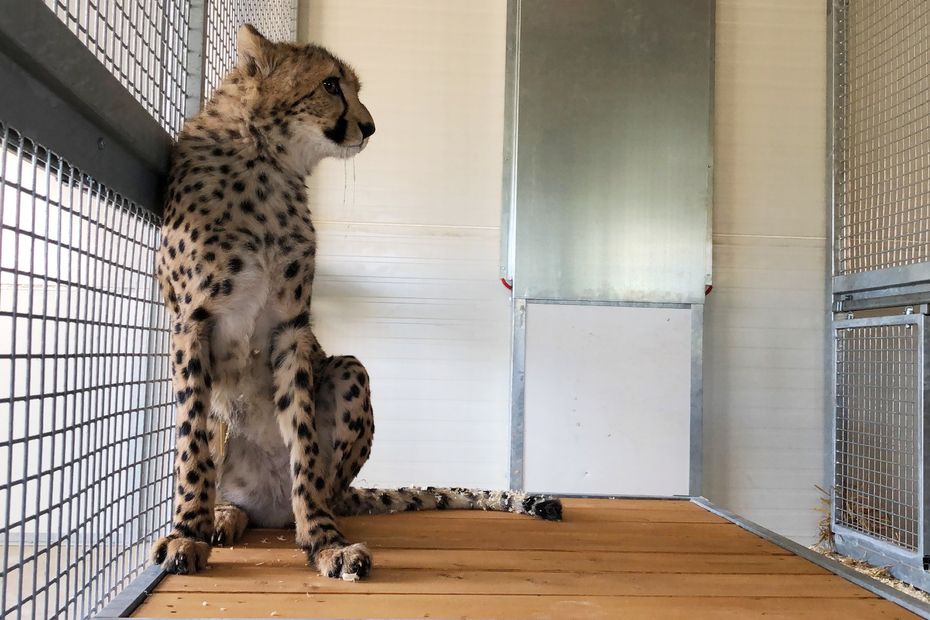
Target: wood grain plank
[
  {"x": 257, "y": 579},
  {"x": 603, "y": 561},
  {"x": 406, "y": 521},
  {"x": 404, "y": 531},
  {"x": 543, "y": 561},
  {"x": 587, "y": 515},
  {"x": 686, "y": 510},
  {"x": 180, "y": 605},
  {"x": 571, "y": 503}
]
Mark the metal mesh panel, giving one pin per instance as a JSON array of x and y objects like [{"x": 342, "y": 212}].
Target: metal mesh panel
[
  {"x": 143, "y": 43},
  {"x": 275, "y": 19},
  {"x": 86, "y": 426},
  {"x": 878, "y": 432},
  {"x": 882, "y": 134}
]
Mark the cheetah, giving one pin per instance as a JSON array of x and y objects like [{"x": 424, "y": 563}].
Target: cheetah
[{"x": 270, "y": 430}]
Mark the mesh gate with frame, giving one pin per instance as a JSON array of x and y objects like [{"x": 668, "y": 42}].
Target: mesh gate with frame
[
  {"x": 878, "y": 511},
  {"x": 93, "y": 91},
  {"x": 880, "y": 186}
]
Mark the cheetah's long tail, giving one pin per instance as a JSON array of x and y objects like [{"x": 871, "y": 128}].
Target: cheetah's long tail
[{"x": 405, "y": 499}]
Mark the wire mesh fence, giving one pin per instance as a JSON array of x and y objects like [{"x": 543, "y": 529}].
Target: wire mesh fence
[
  {"x": 86, "y": 405},
  {"x": 275, "y": 19},
  {"x": 86, "y": 421},
  {"x": 881, "y": 134},
  {"x": 878, "y": 432},
  {"x": 143, "y": 43}
]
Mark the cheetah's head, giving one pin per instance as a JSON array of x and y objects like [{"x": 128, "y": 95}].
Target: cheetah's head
[{"x": 307, "y": 93}]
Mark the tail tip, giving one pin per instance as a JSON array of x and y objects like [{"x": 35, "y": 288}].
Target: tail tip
[{"x": 547, "y": 508}]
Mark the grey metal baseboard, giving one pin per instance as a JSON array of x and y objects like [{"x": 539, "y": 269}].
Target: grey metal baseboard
[
  {"x": 134, "y": 594},
  {"x": 872, "y": 585}
]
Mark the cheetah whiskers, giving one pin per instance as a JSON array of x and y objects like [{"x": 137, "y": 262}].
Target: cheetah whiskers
[{"x": 345, "y": 177}]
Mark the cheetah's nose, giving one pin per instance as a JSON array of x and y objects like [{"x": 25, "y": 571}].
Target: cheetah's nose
[{"x": 367, "y": 129}]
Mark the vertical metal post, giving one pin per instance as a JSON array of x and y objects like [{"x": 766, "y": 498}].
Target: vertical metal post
[
  {"x": 295, "y": 18},
  {"x": 517, "y": 392},
  {"x": 196, "y": 43},
  {"x": 923, "y": 444},
  {"x": 696, "y": 459},
  {"x": 149, "y": 473},
  {"x": 511, "y": 107},
  {"x": 829, "y": 333}
]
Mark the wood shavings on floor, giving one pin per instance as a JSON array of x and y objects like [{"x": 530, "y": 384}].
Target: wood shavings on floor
[
  {"x": 881, "y": 573},
  {"x": 825, "y": 546}
]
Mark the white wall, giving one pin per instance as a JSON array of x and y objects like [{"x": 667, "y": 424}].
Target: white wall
[
  {"x": 409, "y": 248},
  {"x": 409, "y": 235},
  {"x": 764, "y": 336},
  {"x": 608, "y": 400}
]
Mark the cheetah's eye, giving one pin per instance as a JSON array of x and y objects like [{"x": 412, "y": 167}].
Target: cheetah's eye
[{"x": 331, "y": 84}]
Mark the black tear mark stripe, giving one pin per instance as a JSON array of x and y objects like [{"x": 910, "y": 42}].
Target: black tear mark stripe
[{"x": 338, "y": 133}]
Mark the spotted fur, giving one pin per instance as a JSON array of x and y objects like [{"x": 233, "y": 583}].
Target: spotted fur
[{"x": 270, "y": 430}]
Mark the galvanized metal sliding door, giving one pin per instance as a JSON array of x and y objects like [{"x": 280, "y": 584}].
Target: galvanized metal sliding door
[
  {"x": 607, "y": 201},
  {"x": 608, "y": 189}
]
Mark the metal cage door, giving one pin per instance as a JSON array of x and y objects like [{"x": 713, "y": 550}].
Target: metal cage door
[
  {"x": 880, "y": 174},
  {"x": 880, "y": 410}
]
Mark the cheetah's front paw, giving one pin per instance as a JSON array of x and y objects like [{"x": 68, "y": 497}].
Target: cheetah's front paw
[
  {"x": 180, "y": 555},
  {"x": 351, "y": 563}
]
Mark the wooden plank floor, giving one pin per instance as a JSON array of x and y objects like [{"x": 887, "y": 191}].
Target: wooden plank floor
[{"x": 607, "y": 559}]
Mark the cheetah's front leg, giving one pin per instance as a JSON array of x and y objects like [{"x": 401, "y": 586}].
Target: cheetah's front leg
[
  {"x": 187, "y": 548},
  {"x": 292, "y": 351}
]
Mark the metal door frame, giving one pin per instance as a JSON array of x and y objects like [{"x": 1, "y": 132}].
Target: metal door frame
[
  {"x": 905, "y": 564},
  {"x": 518, "y": 304}
]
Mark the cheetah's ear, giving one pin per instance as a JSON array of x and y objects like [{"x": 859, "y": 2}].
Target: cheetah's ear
[{"x": 256, "y": 53}]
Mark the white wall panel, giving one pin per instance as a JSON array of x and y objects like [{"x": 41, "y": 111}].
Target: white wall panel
[
  {"x": 409, "y": 238},
  {"x": 608, "y": 400},
  {"x": 409, "y": 235},
  {"x": 764, "y": 406}
]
